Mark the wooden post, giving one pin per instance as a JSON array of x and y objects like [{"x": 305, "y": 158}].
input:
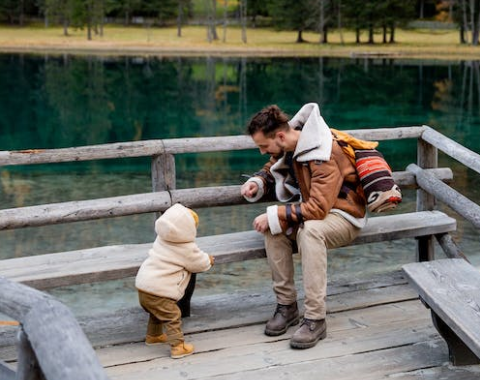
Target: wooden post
[
  {"x": 163, "y": 172},
  {"x": 451, "y": 249},
  {"x": 427, "y": 157},
  {"x": 6, "y": 373},
  {"x": 59, "y": 343},
  {"x": 458, "y": 352},
  {"x": 28, "y": 367},
  {"x": 164, "y": 179}
]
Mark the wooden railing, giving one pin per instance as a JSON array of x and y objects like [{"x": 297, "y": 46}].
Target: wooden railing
[
  {"x": 163, "y": 175},
  {"x": 424, "y": 175},
  {"x": 51, "y": 343}
]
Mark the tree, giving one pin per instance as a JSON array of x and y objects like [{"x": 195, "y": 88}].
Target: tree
[
  {"x": 225, "y": 20},
  {"x": 14, "y": 11},
  {"x": 184, "y": 11},
  {"x": 243, "y": 19},
  {"x": 162, "y": 10},
  {"x": 127, "y": 8},
  {"x": 256, "y": 8},
  {"x": 375, "y": 14},
  {"x": 467, "y": 14},
  {"x": 299, "y": 15},
  {"x": 60, "y": 11},
  {"x": 394, "y": 13},
  {"x": 327, "y": 10},
  {"x": 211, "y": 11},
  {"x": 322, "y": 21}
]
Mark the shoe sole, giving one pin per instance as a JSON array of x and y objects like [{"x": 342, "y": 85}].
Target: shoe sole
[
  {"x": 180, "y": 356},
  {"x": 281, "y": 332},
  {"x": 301, "y": 345}
]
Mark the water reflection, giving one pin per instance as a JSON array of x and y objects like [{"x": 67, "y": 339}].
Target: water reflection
[{"x": 64, "y": 101}]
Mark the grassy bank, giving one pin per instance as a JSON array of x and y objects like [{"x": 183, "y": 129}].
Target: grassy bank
[{"x": 427, "y": 44}]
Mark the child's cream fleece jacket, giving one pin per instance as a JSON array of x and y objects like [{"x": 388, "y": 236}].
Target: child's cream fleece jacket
[{"x": 173, "y": 257}]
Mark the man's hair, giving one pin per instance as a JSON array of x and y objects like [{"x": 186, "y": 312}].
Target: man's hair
[{"x": 269, "y": 120}]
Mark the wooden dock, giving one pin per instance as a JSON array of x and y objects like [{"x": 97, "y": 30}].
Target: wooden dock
[{"x": 377, "y": 329}]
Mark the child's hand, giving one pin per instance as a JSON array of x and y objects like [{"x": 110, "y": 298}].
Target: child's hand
[{"x": 212, "y": 260}]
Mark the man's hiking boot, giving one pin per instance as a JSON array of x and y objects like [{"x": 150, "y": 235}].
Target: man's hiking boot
[
  {"x": 284, "y": 317},
  {"x": 181, "y": 350},
  {"x": 309, "y": 333},
  {"x": 151, "y": 340}
]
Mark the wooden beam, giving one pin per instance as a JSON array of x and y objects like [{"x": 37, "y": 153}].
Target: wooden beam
[
  {"x": 171, "y": 146},
  {"x": 452, "y": 148},
  {"x": 452, "y": 198},
  {"x": 67, "y": 212},
  {"x": 451, "y": 249},
  {"x": 59, "y": 344}
]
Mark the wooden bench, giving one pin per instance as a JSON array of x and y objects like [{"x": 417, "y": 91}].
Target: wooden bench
[
  {"x": 451, "y": 289},
  {"x": 120, "y": 261}
]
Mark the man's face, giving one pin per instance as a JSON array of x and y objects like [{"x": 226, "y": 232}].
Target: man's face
[{"x": 271, "y": 146}]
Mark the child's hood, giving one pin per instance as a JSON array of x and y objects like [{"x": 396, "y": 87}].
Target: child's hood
[{"x": 176, "y": 225}]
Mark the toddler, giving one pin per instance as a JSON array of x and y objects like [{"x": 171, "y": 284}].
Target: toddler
[{"x": 163, "y": 277}]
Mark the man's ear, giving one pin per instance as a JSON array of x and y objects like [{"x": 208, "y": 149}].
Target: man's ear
[{"x": 281, "y": 136}]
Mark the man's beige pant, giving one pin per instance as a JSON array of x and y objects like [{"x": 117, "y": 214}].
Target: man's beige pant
[{"x": 312, "y": 241}]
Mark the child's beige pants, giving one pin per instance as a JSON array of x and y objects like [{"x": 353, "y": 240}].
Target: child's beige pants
[{"x": 164, "y": 314}]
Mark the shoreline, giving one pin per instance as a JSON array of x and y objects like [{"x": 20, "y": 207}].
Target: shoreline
[
  {"x": 226, "y": 52},
  {"x": 129, "y": 41}
]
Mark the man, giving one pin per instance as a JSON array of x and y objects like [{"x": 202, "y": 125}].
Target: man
[{"x": 325, "y": 208}]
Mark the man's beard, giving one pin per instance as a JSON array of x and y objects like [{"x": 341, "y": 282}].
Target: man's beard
[{"x": 277, "y": 155}]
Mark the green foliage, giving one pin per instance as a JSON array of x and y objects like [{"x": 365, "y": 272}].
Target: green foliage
[
  {"x": 14, "y": 11},
  {"x": 123, "y": 8},
  {"x": 163, "y": 10},
  {"x": 293, "y": 15},
  {"x": 396, "y": 12}
]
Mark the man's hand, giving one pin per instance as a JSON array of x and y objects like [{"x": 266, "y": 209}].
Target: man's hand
[
  {"x": 261, "y": 223},
  {"x": 249, "y": 189}
]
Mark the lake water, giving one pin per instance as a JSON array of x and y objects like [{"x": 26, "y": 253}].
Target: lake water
[{"x": 63, "y": 101}]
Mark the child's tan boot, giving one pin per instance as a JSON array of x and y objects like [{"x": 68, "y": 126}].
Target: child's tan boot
[
  {"x": 181, "y": 350},
  {"x": 151, "y": 340}
]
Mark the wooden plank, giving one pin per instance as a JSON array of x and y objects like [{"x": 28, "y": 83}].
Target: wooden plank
[
  {"x": 451, "y": 287},
  {"x": 407, "y": 225},
  {"x": 120, "y": 261},
  {"x": 435, "y": 373},
  {"x": 259, "y": 363},
  {"x": 253, "y": 353},
  {"x": 346, "y": 322},
  {"x": 233, "y": 309}
]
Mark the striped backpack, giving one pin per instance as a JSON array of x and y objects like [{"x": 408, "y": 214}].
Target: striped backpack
[{"x": 381, "y": 191}]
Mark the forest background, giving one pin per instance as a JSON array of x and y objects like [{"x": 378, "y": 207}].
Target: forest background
[{"x": 331, "y": 27}]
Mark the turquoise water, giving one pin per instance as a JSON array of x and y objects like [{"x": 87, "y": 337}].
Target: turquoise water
[{"x": 64, "y": 101}]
